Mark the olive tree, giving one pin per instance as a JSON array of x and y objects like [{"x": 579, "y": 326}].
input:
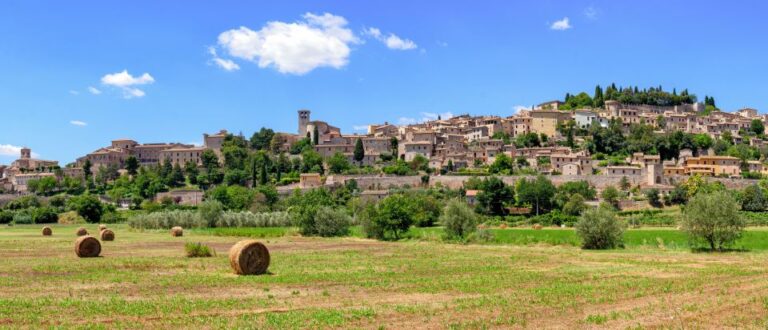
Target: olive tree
[
  {"x": 458, "y": 219},
  {"x": 599, "y": 228},
  {"x": 713, "y": 219}
]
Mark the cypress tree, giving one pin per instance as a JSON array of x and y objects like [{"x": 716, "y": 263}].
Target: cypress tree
[{"x": 359, "y": 153}]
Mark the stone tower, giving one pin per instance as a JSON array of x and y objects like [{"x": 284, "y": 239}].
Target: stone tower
[
  {"x": 26, "y": 153},
  {"x": 303, "y": 121}
]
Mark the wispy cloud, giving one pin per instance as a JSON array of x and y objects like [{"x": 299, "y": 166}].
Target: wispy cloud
[
  {"x": 223, "y": 63},
  {"x": 94, "y": 90},
  {"x": 73, "y": 92},
  {"x": 561, "y": 25},
  {"x": 392, "y": 41},
  {"x": 591, "y": 12},
  {"x": 425, "y": 117},
  {"x": 78, "y": 123},
  {"x": 12, "y": 150},
  {"x": 360, "y": 127},
  {"x": 519, "y": 108},
  {"x": 126, "y": 82}
]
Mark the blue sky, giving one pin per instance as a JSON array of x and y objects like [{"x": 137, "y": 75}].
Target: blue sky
[{"x": 352, "y": 63}]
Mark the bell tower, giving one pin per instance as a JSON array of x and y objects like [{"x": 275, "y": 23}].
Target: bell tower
[{"x": 303, "y": 121}]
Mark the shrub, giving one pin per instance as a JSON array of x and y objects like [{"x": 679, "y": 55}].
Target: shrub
[
  {"x": 331, "y": 222},
  {"x": 70, "y": 218},
  {"x": 197, "y": 250},
  {"x": 458, "y": 219},
  {"x": 44, "y": 215},
  {"x": 211, "y": 211},
  {"x": 112, "y": 217},
  {"x": 23, "y": 202},
  {"x": 713, "y": 219},
  {"x": 192, "y": 219},
  {"x": 653, "y": 197},
  {"x": 481, "y": 236},
  {"x": 6, "y": 217},
  {"x": 22, "y": 217},
  {"x": 249, "y": 219},
  {"x": 599, "y": 228}
]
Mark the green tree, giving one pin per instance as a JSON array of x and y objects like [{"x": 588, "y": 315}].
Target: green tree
[
  {"x": 359, "y": 152},
  {"x": 753, "y": 199},
  {"x": 611, "y": 196},
  {"x": 311, "y": 161},
  {"x": 390, "y": 219},
  {"x": 304, "y": 207},
  {"x": 132, "y": 165},
  {"x": 575, "y": 205},
  {"x": 264, "y": 178},
  {"x": 537, "y": 192},
  {"x": 503, "y": 164},
  {"x": 315, "y": 136},
  {"x": 757, "y": 127},
  {"x": 262, "y": 139},
  {"x": 338, "y": 163},
  {"x": 87, "y": 206},
  {"x": 87, "y": 170},
  {"x": 624, "y": 183},
  {"x": 598, "y": 228},
  {"x": 458, "y": 219},
  {"x": 713, "y": 220},
  {"x": 652, "y": 195},
  {"x": 191, "y": 171},
  {"x": 494, "y": 196},
  {"x": 177, "y": 176}
]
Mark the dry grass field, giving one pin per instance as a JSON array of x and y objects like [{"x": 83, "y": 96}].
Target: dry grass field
[{"x": 144, "y": 280}]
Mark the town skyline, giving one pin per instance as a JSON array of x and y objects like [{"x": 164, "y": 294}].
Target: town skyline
[{"x": 395, "y": 66}]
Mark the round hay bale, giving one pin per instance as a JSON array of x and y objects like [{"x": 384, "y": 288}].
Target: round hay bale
[
  {"x": 47, "y": 231},
  {"x": 537, "y": 227},
  {"x": 107, "y": 235},
  {"x": 87, "y": 247},
  {"x": 249, "y": 257},
  {"x": 177, "y": 231},
  {"x": 102, "y": 227},
  {"x": 82, "y": 231}
]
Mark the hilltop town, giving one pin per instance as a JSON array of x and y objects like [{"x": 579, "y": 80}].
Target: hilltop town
[{"x": 611, "y": 134}]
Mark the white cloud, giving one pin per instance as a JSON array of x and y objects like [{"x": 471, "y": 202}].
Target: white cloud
[
  {"x": 373, "y": 32},
  {"x": 406, "y": 121},
  {"x": 561, "y": 25},
  {"x": 519, "y": 108},
  {"x": 226, "y": 64},
  {"x": 12, "y": 150},
  {"x": 392, "y": 41},
  {"x": 591, "y": 12},
  {"x": 223, "y": 63},
  {"x": 360, "y": 127},
  {"x": 126, "y": 81},
  {"x": 433, "y": 116},
  {"x": 78, "y": 123},
  {"x": 73, "y": 92},
  {"x": 425, "y": 116},
  {"x": 395, "y": 42},
  {"x": 294, "y": 48},
  {"x": 130, "y": 93},
  {"x": 442, "y": 43},
  {"x": 93, "y": 90}
]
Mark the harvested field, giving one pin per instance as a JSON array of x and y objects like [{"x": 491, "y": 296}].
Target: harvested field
[{"x": 145, "y": 280}]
